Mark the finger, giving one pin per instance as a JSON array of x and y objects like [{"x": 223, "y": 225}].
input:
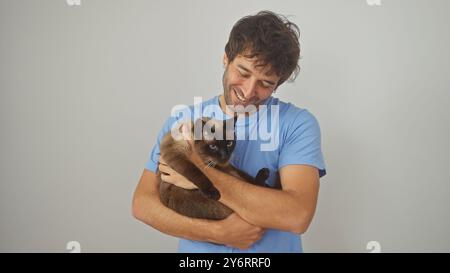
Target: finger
[
  {"x": 166, "y": 178},
  {"x": 259, "y": 229},
  {"x": 164, "y": 169},
  {"x": 244, "y": 247}
]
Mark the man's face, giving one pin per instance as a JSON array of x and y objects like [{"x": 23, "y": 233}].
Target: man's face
[{"x": 244, "y": 84}]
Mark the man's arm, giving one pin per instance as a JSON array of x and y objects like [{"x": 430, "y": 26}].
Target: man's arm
[
  {"x": 290, "y": 209},
  {"x": 147, "y": 207}
]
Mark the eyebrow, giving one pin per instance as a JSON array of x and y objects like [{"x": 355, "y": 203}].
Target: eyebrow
[{"x": 248, "y": 71}]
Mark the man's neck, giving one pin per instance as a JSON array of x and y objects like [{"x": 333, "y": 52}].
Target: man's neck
[{"x": 223, "y": 106}]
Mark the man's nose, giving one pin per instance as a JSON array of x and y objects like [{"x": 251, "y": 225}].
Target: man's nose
[{"x": 250, "y": 88}]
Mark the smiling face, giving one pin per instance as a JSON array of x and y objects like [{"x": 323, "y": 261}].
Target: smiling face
[{"x": 245, "y": 83}]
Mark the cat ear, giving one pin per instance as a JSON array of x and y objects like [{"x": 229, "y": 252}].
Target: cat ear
[
  {"x": 186, "y": 130},
  {"x": 205, "y": 120},
  {"x": 209, "y": 129},
  {"x": 198, "y": 128},
  {"x": 230, "y": 128},
  {"x": 202, "y": 121}
]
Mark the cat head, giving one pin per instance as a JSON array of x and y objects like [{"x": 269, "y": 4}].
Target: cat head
[{"x": 214, "y": 140}]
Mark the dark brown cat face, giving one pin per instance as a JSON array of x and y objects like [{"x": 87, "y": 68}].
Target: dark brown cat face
[{"x": 218, "y": 140}]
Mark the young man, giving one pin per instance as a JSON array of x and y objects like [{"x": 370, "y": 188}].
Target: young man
[{"x": 261, "y": 54}]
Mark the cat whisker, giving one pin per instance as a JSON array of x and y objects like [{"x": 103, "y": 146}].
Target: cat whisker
[
  {"x": 210, "y": 163},
  {"x": 213, "y": 163},
  {"x": 207, "y": 164}
]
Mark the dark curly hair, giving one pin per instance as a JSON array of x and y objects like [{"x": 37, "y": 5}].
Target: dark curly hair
[{"x": 269, "y": 37}]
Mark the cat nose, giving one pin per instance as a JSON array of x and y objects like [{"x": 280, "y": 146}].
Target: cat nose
[{"x": 223, "y": 155}]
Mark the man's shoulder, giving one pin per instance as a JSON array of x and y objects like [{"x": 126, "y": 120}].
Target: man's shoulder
[{"x": 291, "y": 114}]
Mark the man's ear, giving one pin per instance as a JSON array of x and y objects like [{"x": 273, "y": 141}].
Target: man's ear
[{"x": 225, "y": 59}]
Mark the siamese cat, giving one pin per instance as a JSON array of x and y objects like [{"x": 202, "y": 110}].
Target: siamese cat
[{"x": 215, "y": 146}]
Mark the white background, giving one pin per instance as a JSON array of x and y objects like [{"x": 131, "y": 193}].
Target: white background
[{"x": 85, "y": 90}]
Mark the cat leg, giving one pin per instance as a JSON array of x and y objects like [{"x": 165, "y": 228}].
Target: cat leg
[
  {"x": 203, "y": 183},
  {"x": 258, "y": 180},
  {"x": 210, "y": 191},
  {"x": 261, "y": 176}
]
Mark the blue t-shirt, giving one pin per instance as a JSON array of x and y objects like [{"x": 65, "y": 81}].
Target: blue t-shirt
[{"x": 278, "y": 134}]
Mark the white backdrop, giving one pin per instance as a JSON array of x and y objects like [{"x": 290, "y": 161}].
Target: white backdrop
[{"x": 85, "y": 90}]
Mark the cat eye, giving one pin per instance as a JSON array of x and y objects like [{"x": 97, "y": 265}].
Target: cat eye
[
  {"x": 213, "y": 146},
  {"x": 229, "y": 143}
]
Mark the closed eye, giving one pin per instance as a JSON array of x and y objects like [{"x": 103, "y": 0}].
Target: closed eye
[{"x": 229, "y": 143}]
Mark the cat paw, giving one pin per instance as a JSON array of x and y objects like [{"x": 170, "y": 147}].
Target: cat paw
[
  {"x": 262, "y": 175},
  {"x": 212, "y": 193}
]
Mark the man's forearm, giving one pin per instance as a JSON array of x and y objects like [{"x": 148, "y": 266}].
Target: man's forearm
[
  {"x": 260, "y": 206},
  {"x": 154, "y": 213}
]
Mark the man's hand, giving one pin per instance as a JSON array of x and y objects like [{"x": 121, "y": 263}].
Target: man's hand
[
  {"x": 169, "y": 175},
  {"x": 236, "y": 232},
  {"x": 193, "y": 155},
  {"x": 232, "y": 231}
]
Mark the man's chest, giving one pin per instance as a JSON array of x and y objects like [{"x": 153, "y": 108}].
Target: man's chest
[{"x": 248, "y": 157}]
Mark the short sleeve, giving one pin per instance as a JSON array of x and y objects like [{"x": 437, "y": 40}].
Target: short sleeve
[
  {"x": 152, "y": 162},
  {"x": 302, "y": 143}
]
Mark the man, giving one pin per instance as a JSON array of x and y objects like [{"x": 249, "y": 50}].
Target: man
[{"x": 261, "y": 54}]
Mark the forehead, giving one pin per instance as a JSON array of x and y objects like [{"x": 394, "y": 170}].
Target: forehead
[{"x": 254, "y": 66}]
